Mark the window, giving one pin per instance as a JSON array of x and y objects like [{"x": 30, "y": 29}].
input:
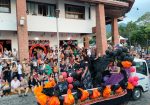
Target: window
[
  {"x": 74, "y": 12},
  {"x": 89, "y": 12},
  {"x": 141, "y": 68},
  {"x": 4, "y": 6},
  {"x": 42, "y": 9}
]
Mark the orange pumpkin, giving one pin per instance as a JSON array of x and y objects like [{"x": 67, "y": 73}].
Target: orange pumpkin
[
  {"x": 119, "y": 90},
  {"x": 107, "y": 92},
  {"x": 85, "y": 94},
  {"x": 53, "y": 101},
  {"x": 95, "y": 94},
  {"x": 42, "y": 99},
  {"x": 38, "y": 90},
  {"x": 130, "y": 86},
  {"x": 50, "y": 84},
  {"x": 69, "y": 99}
]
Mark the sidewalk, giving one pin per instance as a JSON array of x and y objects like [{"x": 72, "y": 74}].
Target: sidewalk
[{"x": 15, "y": 100}]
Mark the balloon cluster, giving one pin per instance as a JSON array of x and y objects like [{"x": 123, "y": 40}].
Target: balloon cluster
[
  {"x": 133, "y": 80},
  {"x": 71, "y": 78}
]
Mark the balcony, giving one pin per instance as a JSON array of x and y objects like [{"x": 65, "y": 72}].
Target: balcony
[{"x": 48, "y": 24}]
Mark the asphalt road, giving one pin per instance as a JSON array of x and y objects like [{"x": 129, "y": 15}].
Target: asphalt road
[
  {"x": 30, "y": 100},
  {"x": 145, "y": 100}
]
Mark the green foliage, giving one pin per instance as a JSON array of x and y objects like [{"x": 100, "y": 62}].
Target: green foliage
[
  {"x": 122, "y": 31},
  {"x": 92, "y": 41},
  {"x": 108, "y": 34},
  {"x": 138, "y": 32},
  {"x": 144, "y": 20}
]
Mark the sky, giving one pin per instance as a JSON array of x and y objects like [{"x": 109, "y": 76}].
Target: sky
[{"x": 138, "y": 9}]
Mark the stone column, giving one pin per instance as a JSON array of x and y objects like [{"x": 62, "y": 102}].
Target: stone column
[
  {"x": 22, "y": 31},
  {"x": 115, "y": 32},
  {"x": 86, "y": 41},
  {"x": 101, "y": 40}
]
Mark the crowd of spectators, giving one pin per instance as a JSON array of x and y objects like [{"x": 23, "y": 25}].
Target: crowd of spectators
[{"x": 20, "y": 77}]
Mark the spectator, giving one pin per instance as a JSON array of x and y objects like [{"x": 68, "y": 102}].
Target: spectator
[
  {"x": 24, "y": 86},
  {"x": 7, "y": 73},
  {"x": 31, "y": 83},
  {"x": 35, "y": 63},
  {"x": 24, "y": 62},
  {"x": 14, "y": 54},
  {"x": 15, "y": 86},
  {"x": 5, "y": 88},
  {"x": 14, "y": 70},
  {"x": 47, "y": 69},
  {"x": 1, "y": 54},
  {"x": 42, "y": 55},
  {"x": 1, "y": 68},
  {"x": 62, "y": 66},
  {"x": 6, "y": 52},
  {"x": 19, "y": 68}
]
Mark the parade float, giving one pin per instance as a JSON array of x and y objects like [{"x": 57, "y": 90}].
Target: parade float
[{"x": 109, "y": 87}]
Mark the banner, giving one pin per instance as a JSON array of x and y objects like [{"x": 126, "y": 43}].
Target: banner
[{"x": 39, "y": 42}]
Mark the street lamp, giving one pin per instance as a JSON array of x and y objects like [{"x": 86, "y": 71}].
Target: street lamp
[{"x": 57, "y": 29}]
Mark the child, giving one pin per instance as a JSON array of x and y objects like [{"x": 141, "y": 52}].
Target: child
[{"x": 62, "y": 85}]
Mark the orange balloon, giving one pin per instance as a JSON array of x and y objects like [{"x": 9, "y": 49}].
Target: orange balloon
[{"x": 126, "y": 64}]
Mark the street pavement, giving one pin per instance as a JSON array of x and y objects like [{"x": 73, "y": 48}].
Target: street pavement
[
  {"x": 30, "y": 100},
  {"x": 145, "y": 100},
  {"x": 15, "y": 100}
]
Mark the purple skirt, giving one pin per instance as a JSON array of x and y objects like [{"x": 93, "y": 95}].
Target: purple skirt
[{"x": 114, "y": 79}]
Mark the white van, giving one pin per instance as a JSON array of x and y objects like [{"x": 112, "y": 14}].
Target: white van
[{"x": 143, "y": 74}]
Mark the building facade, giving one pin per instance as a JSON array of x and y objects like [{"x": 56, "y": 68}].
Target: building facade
[{"x": 25, "y": 24}]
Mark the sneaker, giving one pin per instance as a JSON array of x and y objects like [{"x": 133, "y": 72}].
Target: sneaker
[
  {"x": 20, "y": 95},
  {"x": 25, "y": 95}
]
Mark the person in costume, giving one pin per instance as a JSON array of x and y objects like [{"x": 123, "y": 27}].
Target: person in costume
[
  {"x": 62, "y": 85},
  {"x": 116, "y": 76}
]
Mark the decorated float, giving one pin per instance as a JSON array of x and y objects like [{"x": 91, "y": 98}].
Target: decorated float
[{"x": 110, "y": 87}]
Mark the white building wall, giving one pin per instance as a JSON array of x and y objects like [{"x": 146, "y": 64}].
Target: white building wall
[
  {"x": 8, "y": 20},
  {"x": 9, "y": 35},
  {"x": 48, "y": 24},
  {"x": 93, "y": 15}
]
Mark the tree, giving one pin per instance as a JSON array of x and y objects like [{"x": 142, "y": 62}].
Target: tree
[
  {"x": 122, "y": 31},
  {"x": 144, "y": 20},
  {"x": 137, "y": 32}
]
